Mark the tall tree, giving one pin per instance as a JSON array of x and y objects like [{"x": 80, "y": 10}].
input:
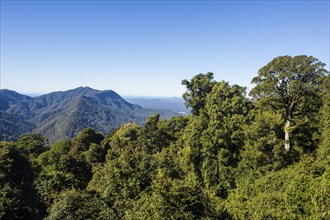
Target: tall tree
[
  {"x": 225, "y": 111},
  {"x": 288, "y": 83},
  {"x": 197, "y": 89}
]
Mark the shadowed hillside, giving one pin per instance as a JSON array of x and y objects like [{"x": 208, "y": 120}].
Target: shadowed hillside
[{"x": 60, "y": 115}]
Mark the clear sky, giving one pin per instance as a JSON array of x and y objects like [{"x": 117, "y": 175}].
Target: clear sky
[{"x": 148, "y": 47}]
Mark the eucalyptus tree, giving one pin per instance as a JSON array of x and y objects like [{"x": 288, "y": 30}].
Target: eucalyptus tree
[{"x": 291, "y": 85}]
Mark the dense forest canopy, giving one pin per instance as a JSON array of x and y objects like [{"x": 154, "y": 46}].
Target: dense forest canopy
[{"x": 234, "y": 157}]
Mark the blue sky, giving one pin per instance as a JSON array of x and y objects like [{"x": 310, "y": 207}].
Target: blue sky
[{"x": 146, "y": 48}]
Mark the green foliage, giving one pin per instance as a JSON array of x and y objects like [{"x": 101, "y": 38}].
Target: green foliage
[
  {"x": 262, "y": 151},
  {"x": 320, "y": 199},
  {"x": 324, "y": 150},
  {"x": 32, "y": 144},
  {"x": 284, "y": 81},
  {"x": 82, "y": 142},
  {"x": 68, "y": 165},
  {"x": 58, "y": 171},
  {"x": 291, "y": 193},
  {"x": 226, "y": 109},
  {"x": 197, "y": 89},
  {"x": 173, "y": 194},
  {"x": 17, "y": 196},
  {"x": 292, "y": 86},
  {"x": 120, "y": 139},
  {"x": 127, "y": 170},
  {"x": 79, "y": 205},
  {"x": 172, "y": 199},
  {"x": 224, "y": 161}
]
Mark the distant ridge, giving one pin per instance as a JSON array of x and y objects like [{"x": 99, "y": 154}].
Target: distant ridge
[
  {"x": 63, "y": 114},
  {"x": 156, "y": 103}
]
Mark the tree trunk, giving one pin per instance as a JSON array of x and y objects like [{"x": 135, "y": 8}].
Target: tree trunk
[
  {"x": 287, "y": 128},
  {"x": 287, "y": 135}
]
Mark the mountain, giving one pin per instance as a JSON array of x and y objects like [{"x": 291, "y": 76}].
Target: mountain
[
  {"x": 9, "y": 97},
  {"x": 62, "y": 115}
]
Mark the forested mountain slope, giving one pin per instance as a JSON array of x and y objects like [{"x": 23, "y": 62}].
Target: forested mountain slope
[{"x": 60, "y": 115}]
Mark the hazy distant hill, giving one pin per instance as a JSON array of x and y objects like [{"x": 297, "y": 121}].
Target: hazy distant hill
[
  {"x": 64, "y": 114},
  {"x": 174, "y": 104}
]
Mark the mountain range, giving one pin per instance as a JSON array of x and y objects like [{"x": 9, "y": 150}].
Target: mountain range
[{"x": 63, "y": 114}]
